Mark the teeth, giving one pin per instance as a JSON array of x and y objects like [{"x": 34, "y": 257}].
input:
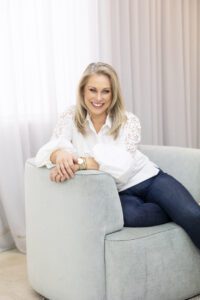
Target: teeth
[{"x": 97, "y": 104}]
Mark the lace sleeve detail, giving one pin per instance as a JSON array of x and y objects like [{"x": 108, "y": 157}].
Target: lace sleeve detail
[
  {"x": 132, "y": 132},
  {"x": 61, "y": 139},
  {"x": 64, "y": 124}
]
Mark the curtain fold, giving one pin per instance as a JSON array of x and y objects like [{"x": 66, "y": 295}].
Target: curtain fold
[
  {"x": 44, "y": 47},
  {"x": 154, "y": 45}
]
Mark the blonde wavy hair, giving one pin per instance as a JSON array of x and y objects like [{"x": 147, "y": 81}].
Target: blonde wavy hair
[{"x": 117, "y": 108}]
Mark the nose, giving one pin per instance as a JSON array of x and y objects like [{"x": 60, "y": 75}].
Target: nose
[{"x": 99, "y": 96}]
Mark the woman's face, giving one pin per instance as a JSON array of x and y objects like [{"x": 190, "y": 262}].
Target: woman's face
[{"x": 98, "y": 95}]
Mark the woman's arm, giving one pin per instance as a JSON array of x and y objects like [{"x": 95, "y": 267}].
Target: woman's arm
[
  {"x": 58, "y": 176},
  {"x": 91, "y": 164},
  {"x": 121, "y": 160},
  {"x": 65, "y": 163},
  {"x": 60, "y": 140}
]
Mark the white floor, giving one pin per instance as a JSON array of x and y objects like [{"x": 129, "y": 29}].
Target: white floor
[{"x": 14, "y": 283}]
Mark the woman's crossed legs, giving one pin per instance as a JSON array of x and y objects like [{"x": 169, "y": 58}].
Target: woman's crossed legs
[{"x": 159, "y": 200}]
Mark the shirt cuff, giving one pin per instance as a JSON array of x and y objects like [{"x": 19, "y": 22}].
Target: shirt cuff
[
  {"x": 43, "y": 156},
  {"x": 115, "y": 160}
]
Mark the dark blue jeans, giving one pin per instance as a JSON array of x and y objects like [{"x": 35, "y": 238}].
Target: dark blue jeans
[{"x": 159, "y": 200}]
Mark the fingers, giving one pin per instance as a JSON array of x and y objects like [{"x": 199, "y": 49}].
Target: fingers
[
  {"x": 63, "y": 172},
  {"x": 65, "y": 165},
  {"x": 55, "y": 176},
  {"x": 58, "y": 167},
  {"x": 70, "y": 168},
  {"x": 58, "y": 178},
  {"x": 66, "y": 168},
  {"x": 74, "y": 159}
]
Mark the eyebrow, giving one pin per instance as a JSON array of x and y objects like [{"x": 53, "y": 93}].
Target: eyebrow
[{"x": 106, "y": 88}]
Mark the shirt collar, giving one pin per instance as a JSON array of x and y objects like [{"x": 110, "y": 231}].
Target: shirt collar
[{"x": 107, "y": 123}]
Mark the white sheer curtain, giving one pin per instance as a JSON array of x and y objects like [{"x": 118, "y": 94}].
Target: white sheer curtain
[
  {"x": 155, "y": 46},
  {"x": 44, "y": 47}
]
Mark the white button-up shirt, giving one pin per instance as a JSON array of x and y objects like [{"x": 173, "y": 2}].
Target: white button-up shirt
[{"x": 118, "y": 157}]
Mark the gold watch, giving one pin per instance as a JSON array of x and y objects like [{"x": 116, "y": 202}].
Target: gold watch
[{"x": 82, "y": 163}]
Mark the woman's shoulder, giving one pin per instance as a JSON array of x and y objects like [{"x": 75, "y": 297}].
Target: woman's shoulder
[
  {"x": 68, "y": 113},
  {"x": 132, "y": 130},
  {"x": 131, "y": 120}
]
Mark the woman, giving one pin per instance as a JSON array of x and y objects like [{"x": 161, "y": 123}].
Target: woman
[{"x": 99, "y": 134}]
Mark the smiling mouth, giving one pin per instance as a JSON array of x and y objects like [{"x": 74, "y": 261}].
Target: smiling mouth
[{"x": 97, "y": 105}]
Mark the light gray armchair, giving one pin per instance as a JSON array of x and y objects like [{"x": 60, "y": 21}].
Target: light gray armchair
[{"x": 78, "y": 249}]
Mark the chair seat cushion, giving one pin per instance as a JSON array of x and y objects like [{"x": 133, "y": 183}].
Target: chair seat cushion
[
  {"x": 132, "y": 233},
  {"x": 151, "y": 263}
]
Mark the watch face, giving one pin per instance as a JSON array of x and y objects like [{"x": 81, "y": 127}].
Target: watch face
[{"x": 80, "y": 161}]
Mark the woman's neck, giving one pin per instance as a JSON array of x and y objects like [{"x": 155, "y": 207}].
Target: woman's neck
[{"x": 98, "y": 121}]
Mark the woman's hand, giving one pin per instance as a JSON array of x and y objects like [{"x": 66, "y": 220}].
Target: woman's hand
[
  {"x": 65, "y": 164},
  {"x": 92, "y": 164},
  {"x": 55, "y": 176}
]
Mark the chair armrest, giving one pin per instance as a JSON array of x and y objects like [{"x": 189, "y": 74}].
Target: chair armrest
[{"x": 66, "y": 224}]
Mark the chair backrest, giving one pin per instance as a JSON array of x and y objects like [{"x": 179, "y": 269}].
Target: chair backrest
[{"x": 182, "y": 163}]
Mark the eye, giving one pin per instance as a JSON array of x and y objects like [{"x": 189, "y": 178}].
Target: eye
[
  {"x": 92, "y": 90},
  {"x": 106, "y": 91}
]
